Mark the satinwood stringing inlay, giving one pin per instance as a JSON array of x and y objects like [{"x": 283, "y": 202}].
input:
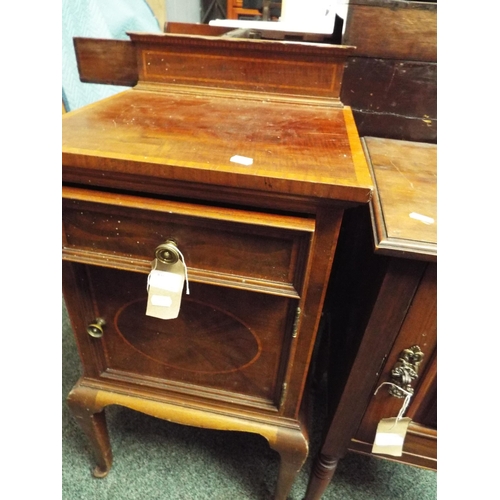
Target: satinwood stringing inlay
[{"x": 203, "y": 339}]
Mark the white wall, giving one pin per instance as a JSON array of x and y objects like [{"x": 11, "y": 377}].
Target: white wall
[
  {"x": 183, "y": 11},
  {"x": 158, "y": 8}
]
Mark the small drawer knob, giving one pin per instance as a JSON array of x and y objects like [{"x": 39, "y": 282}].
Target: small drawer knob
[
  {"x": 167, "y": 252},
  {"x": 96, "y": 329}
]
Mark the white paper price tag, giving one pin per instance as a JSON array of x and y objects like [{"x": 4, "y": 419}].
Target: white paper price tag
[
  {"x": 390, "y": 437},
  {"x": 167, "y": 281},
  {"x": 161, "y": 300},
  {"x": 165, "y": 286}
]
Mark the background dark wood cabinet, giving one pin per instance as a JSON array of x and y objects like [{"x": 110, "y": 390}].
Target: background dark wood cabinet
[
  {"x": 382, "y": 300},
  {"x": 391, "y": 80}
]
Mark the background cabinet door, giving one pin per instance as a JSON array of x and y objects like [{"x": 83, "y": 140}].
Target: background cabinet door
[{"x": 419, "y": 328}]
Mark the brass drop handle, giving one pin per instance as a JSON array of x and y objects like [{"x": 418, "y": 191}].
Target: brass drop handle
[
  {"x": 167, "y": 252},
  {"x": 96, "y": 329},
  {"x": 405, "y": 371}
]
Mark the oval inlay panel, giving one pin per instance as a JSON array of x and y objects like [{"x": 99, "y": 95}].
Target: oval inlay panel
[{"x": 202, "y": 339}]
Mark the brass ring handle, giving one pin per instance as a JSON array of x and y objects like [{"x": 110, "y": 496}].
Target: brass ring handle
[
  {"x": 96, "y": 329},
  {"x": 167, "y": 252}
]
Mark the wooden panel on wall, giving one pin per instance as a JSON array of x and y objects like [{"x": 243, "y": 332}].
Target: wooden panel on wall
[{"x": 393, "y": 29}]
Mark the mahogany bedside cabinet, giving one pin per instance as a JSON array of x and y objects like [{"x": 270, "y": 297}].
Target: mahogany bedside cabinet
[
  {"x": 201, "y": 210},
  {"x": 383, "y": 305}
]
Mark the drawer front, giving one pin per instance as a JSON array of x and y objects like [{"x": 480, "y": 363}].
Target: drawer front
[
  {"x": 221, "y": 246},
  {"x": 227, "y": 345}
]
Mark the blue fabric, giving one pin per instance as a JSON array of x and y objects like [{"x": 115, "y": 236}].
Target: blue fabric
[{"x": 97, "y": 19}]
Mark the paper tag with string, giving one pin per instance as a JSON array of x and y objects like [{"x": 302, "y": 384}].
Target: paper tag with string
[
  {"x": 391, "y": 432},
  {"x": 165, "y": 286}
]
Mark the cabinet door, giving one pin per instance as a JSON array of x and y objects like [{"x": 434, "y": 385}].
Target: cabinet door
[
  {"x": 226, "y": 345},
  {"x": 232, "y": 339},
  {"x": 418, "y": 329}
]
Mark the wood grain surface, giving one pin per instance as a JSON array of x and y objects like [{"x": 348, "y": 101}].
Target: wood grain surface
[
  {"x": 404, "y": 207},
  {"x": 393, "y": 29},
  {"x": 295, "y": 149}
]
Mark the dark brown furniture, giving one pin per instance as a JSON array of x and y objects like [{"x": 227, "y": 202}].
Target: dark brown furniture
[
  {"x": 382, "y": 308},
  {"x": 241, "y": 152},
  {"x": 264, "y": 10},
  {"x": 236, "y": 10},
  {"x": 390, "y": 82}
]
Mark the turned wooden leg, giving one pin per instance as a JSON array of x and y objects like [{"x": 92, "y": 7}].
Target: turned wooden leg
[
  {"x": 93, "y": 423},
  {"x": 323, "y": 470},
  {"x": 293, "y": 448}
]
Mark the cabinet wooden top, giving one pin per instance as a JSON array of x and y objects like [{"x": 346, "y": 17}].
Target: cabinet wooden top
[
  {"x": 404, "y": 205},
  {"x": 245, "y": 116},
  {"x": 295, "y": 148}
]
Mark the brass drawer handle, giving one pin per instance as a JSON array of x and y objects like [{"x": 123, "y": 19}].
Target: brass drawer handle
[
  {"x": 96, "y": 329},
  {"x": 167, "y": 252},
  {"x": 405, "y": 371}
]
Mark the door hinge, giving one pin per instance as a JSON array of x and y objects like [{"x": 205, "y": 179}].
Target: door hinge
[
  {"x": 283, "y": 394},
  {"x": 296, "y": 323}
]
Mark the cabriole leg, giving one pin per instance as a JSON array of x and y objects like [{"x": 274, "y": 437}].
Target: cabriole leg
[
  {"x": 93, "y": 423},
  {"x": 293, "y": 448}
]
